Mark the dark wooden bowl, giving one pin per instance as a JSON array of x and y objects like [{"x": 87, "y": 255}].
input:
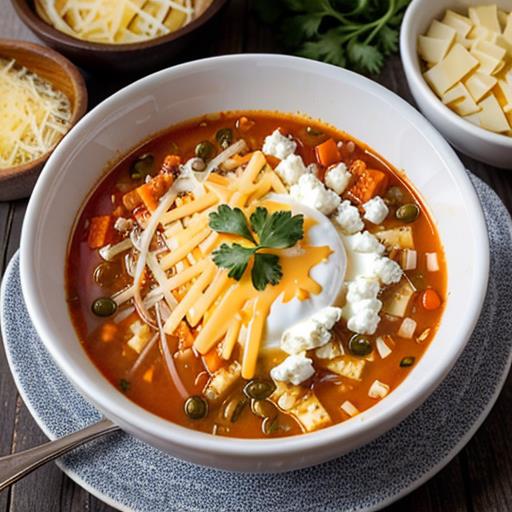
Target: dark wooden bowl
[
  {"x": 120, "y": 58},
  {"x": 18, "y": 181}
]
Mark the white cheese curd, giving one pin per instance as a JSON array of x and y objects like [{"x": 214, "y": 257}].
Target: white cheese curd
[
  {"x": 387, "y": 270},
  {"x": 366, "y": 242},
  {"x": 338, "y": 178},
  {"x": 311, "y": 333},
  {"x": 374, "y": 305},
  {"x": 294, "y": 369},
  {"x": 291, "y": 169},
  {"x": 279, "y": 145},
  {"x": 121, "y": 224},
  {"x": 310, "y": 191},
  {"x": 362, "y": 288},
  {"x": 364, "y": 322},
  {"x": 347, "y": 216},
  {"x": 375, "y": 210}
]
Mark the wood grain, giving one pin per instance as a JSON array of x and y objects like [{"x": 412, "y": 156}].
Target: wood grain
[{"x": 479, "y": 479}]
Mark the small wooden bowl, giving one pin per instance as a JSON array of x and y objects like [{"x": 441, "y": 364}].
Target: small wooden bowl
[
  {"x": 122, "y": 58},
  {"x": 17, "y": 182}
]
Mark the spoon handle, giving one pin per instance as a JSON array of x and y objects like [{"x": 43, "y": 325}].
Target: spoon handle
[{"x": 16, "y": 466}]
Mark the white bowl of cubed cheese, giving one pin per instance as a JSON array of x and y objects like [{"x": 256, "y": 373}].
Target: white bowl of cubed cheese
[{"x": 463, "y": 89}]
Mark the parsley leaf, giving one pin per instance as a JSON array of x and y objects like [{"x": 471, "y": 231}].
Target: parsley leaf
[
  {"x": 279, "y": 230},
  {"x": 233, "y": 257},
  {"x": 230, "y": 220},
  {"x": 266, "y": 269},
  {"x": 352, "y": 33}
]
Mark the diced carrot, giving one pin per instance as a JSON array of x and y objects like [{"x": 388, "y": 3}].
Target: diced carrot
[
  {"x": 149, "y": 193},
  {"x": 148, "y": 374},
  {"x": 430, "y": 299},
  {"x": 212, "y": 360},
  {"x": 108, "y": 332},
  {"x": 244, "y": 124},
  {"x": 327, "y": 153},
  {"x": 100, "y": 231},
  {"x": 171, "y": 161},
  {"x": 369, "y": 183},
  {"x": 185, "y": 336}
]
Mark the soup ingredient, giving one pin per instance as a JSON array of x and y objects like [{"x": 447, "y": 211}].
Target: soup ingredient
[
  {"x": 34, "y": 116},
  {"x": 360, "y": 345},
  {"x": 310, "y": 191},
  {"x": 407, "y": 212},
  {"x": 280, "y": 230},
  {"x": 119, "y": 21},
  {"x": 467, "y": 57},
  {"x": 327, "y": 153},
  {"x": 430, "y": 299},
  {"x": 407, "y": 361},
  {"x": 279, "y": 145},
  {"x": 124, "y": 385},
  {"x": 378, "y": 389},
  {"x": 196, "y": 407},
  {"x": 104, "y": 306},
  {"x": 142, "y": 167},
  {"x": 358, "y": 35},
  {"x": 375, "y": 210},
  {"x": 338, "y": 178},
  {"x": 224, "y": 137},
  {"x": 291, "y": 169},
  {"x": 407, "y": 328},
  {"x": 205, "y": 150},
  {"x": 294, "y": 369},
  {"x": 258, "y": 389}
]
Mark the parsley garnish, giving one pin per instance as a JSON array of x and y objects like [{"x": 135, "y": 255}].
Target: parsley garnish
[
  {"x": 350, "y": 33},
  {"x": 278, "y": 230}
]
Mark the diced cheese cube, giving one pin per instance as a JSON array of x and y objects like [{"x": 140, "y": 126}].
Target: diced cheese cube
[
  {"x": 457, "y": 64},
  {"x": 457, "y": 93},
  {"x": 487, "y": 65},
  {"x": 473, "y": 118},
  {"x": 466, "y": 106},
  {"x": 504, "y": 93},
  {"x": 440, "y": 30},
  {"x": 491, "y": 49},
  {"x": 483, "y": 34},
  {"x": 507, "y": 32},
  {"x": 492, "y": 116},
  {"x": 485, "y": 16},
  {"x": 378, "y": 389},
  {"x": 433, "y": 50},
  {"x": 479, "y": 85},
  {"x": 461, "y": 24}
]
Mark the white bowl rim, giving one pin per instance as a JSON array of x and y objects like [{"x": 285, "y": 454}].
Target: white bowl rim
[
  {"x": 152, "y": 425},
  {"x": 409, "y": 56}
]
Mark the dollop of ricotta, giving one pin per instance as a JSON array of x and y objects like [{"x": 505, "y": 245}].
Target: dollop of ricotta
[
  {"x": 294, "y": 369},
  {"x": 309, "y": 190},
  {"x": 279, "y": 145},
  {"x": 291, "y": 169}
]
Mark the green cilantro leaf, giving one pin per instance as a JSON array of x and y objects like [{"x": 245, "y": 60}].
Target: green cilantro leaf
[
  {"x": 365, "y": 57},
  {"x": 230, "y": 220},
  {"x": 281, "y": 230},
  {"x": 328, "y": 48},
  {"x": 266, "y": 270},
  {"x": 258, "y": 219},
  {"x": 234, "y": 257},
  {"x": 388, "y": 40}
]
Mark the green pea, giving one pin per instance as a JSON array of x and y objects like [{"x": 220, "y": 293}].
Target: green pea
[
  {"x": 205, "y": 150},
  {"x": 224, "y": 137},
  {"x": 395, "y": 195},
  {"x": 104, "y": 306},
  {"x": 314, "y": 132},
  {"x": 359, "y": 345},
  {"x": 196, "y": 407},
  {"x": 259, "y": 389},
  {"x": 407, "y": 361},
  {"x": 408, "y": 212},
  {"x": 142, "y": 166}
]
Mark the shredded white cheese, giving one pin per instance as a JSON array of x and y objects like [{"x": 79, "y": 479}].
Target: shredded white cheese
[{"x": 34, "y": 116}]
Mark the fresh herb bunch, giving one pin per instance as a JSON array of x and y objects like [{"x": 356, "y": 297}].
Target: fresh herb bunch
[
  {"x": 358, "y": 34},
  {"x": 279, "y": 230}
]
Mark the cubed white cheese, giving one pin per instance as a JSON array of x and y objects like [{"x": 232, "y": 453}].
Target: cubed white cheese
[
  {"x": 349, "y": 408},
  {"x": 378, "y": 389},
  {"x": 295, "y": 369},
  {"x": 407, "y": 328},
  {"x": 311, "y": 191},
  {"x": 279, "y": 145},
  {"x": 366, "y": 242},
  {"x": 311, "y": 333},
  {"x": 347, "y": 216},
  {"x": 291, "y": 169},
  {"x": 364, "y": 322},
  {"x": 387, "y": 270},
  {"x": 337, "y": 177},
  {"x": 362, "y": 288},
  {"x": 376, "y": 210}
]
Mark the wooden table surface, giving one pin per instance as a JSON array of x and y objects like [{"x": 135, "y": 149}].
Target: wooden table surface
[{"x": 479, "y": 479}]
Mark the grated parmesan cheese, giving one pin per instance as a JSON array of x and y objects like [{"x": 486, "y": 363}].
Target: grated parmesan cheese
[
  {"x": 120, "y": 21},
  {"x": 34, "y": 116}
]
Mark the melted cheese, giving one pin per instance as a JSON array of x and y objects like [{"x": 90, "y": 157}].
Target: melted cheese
[{"x": 33, "y": 115}]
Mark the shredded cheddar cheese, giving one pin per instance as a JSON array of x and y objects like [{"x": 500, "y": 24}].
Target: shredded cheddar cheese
[{"x": 34, "y": 116}]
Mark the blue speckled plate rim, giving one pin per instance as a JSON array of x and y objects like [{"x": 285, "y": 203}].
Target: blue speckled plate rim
[{"x": 383, "y": 503}]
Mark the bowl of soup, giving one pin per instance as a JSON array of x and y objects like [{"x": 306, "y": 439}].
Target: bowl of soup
[{"x": 255, "y": 262}]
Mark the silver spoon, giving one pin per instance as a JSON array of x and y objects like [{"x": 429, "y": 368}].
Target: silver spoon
[{"x": 16, "y": 466}]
